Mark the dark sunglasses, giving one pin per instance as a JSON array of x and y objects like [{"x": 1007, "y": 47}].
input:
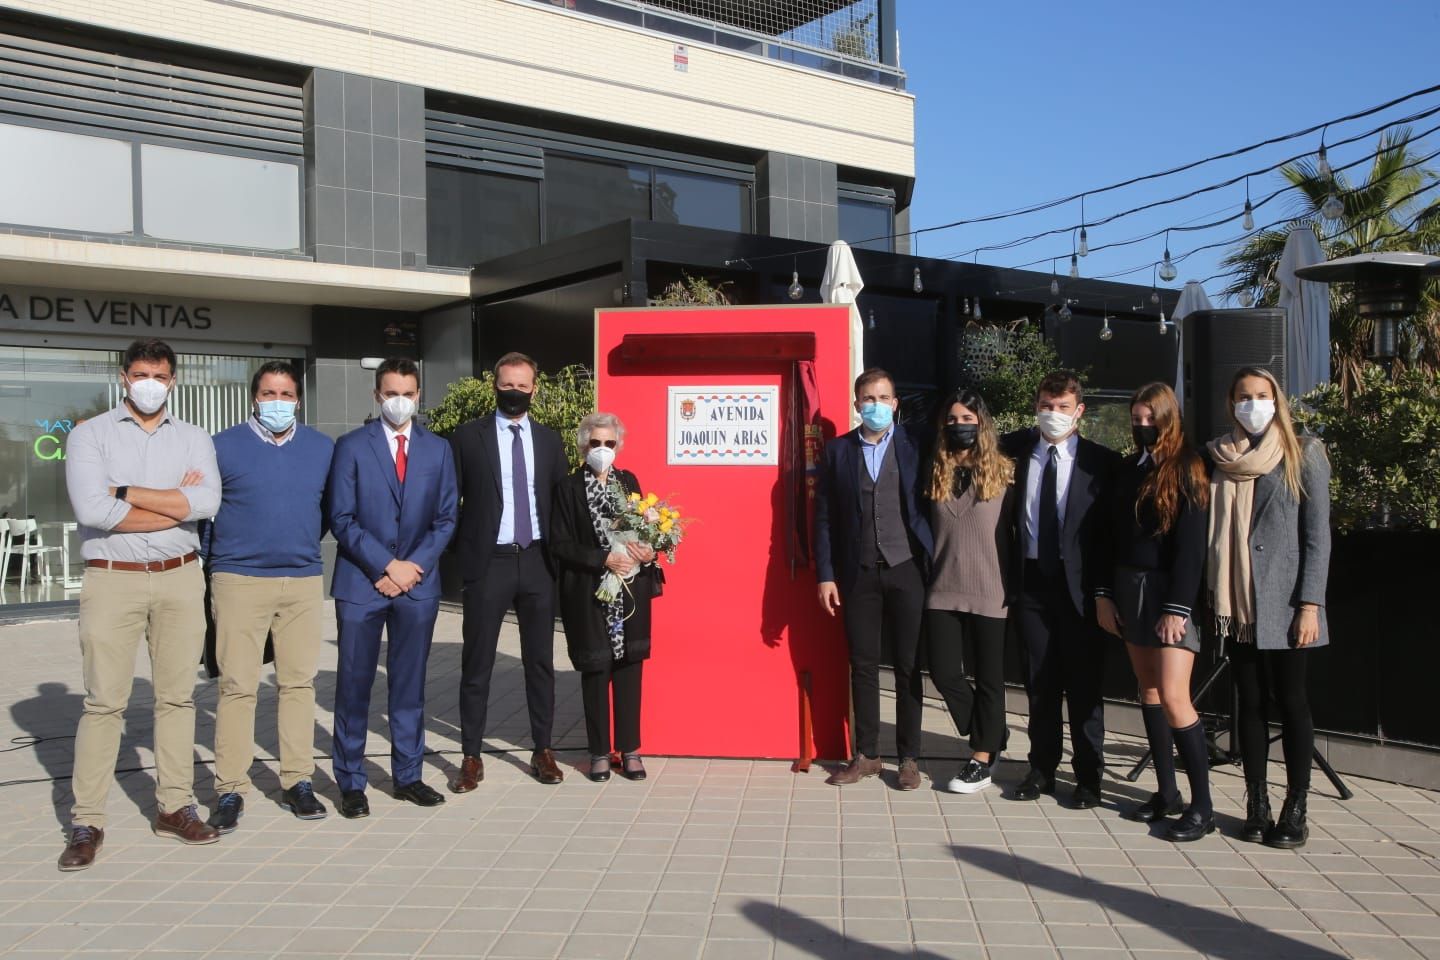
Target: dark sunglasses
[{"x": 601, "y": 443}]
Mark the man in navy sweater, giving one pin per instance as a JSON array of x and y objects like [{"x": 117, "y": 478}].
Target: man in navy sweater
[{"x": 264, "y": 560}]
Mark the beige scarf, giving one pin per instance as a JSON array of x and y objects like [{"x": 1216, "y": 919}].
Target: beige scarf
[{"x": 1232, "y": 507}]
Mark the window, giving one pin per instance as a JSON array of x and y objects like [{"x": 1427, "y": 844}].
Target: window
[
  {"x": 583, "y": 194},
  {"x": 867, "y": 224},
  {"x": 197, "y": 197},
  {"x": 66, "y": 181},
  {"x": 698, "y": 200},
  {"x": 475, "y": 216}
]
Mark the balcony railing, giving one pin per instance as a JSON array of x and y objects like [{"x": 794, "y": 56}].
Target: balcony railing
[{"x": 841, "y": 41}]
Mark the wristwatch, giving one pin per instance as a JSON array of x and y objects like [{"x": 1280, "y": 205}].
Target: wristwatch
[{"x": 121, "y": 491}]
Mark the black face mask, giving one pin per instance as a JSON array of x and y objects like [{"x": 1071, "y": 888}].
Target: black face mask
[
  {"x": 512, "y": 403},
  {"x": 1145, "y": 437},
  {"x": 961, "y": 436}
]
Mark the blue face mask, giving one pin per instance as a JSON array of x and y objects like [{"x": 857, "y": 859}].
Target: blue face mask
[
  {"x": 277, "y": 416},
  {"x": 877, "y": 416}
]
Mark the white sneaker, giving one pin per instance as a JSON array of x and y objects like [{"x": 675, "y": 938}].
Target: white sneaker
[{"x": 973, "y": 777}]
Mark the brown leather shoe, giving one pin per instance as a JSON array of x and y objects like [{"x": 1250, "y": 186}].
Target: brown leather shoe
[
  {"x": 186, "y": 826},
  {"x": 909, "y": 775},
  {"x": 84, "y": 844},
  {"x": 859, "y": 767},
  {"x": 472, "y": 771},
  {"x": 545, "y": 767}
]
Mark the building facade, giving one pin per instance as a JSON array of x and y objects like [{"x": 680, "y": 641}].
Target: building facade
[{"x": 315, "y": 180}]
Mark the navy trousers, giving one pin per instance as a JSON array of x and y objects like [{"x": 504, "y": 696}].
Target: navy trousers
[{"x": 410, "y": 626}]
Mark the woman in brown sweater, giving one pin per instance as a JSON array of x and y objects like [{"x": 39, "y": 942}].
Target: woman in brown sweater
[{"x": 971, "y": 485}]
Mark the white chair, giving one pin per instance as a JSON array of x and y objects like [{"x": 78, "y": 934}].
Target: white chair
[
  {"x": 27, "y": 540},
  {"x": 4, "y": 555}
]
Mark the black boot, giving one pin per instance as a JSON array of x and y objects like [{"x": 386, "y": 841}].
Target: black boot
[
  {"x": 1257, "y": 813},
  {"x": 1290, "y": 831}
]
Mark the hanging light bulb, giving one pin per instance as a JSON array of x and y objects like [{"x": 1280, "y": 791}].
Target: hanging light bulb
[
  {"x": 1054, "y": 281},
  {"x": 1074, "y": 266},
  {"x": 1106, "y": 334},
  {"x": 916, "y": 284},
  {"x": 975, "y": 314},
  {"x": 1065, "y": 313},
  {"x": 1084, "y": 250},
  {"x": 1332, "y": 208},
  {"x": 1154, "y": 296},
  {"x": 1322, "y": 163},
  {"x": 796, "y": 291},
  {"x": 1247, "y": 299},
  {"x": 1164, "y": 327},
  {"x": 1248, "y": 223},
  {"x": 870, "y": 321},
  {"x": 965, "y": 308},
  {"x": 1167, "y": 266}
]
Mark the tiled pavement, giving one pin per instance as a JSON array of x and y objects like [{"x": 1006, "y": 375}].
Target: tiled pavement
[{"x": 707, "y": 859}]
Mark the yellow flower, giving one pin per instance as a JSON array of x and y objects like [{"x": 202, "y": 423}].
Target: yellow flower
[
  {"x": 666, "y": 526},
  {"x": 634, "y": 497},
  {"x": 674, "y": 514},
  {"x": 652, "y": 499},
  {"x": 665, "y": 513}
]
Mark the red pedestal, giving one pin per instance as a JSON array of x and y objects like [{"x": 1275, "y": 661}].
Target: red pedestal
[{"x": 739, "y": 631}]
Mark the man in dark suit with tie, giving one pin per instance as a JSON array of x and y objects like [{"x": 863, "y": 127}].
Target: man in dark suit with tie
[
  {"x": 1062, "y": 483},
  {"x": 872, "y": 552},
  {"x": 392, "y": 505},
  {"x": 507, "y": 465}
]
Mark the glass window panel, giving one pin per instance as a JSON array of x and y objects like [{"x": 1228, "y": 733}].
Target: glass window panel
[
  {"x": 583, "y": 194},
  {"x": 473, "y": 216},
  {"x": 65, "y": 181},
  {"x": 44, "y": 394},
  {"x": 861, "y": 220},
  {"x": 197, "y": 197},
  {"x": 698, "y": 200}
]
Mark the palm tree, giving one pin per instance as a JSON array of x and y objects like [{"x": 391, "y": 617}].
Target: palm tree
[{"x": 1389, "y": 211}]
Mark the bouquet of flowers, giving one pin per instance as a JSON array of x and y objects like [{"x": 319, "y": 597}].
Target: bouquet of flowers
[{"x": 641, "y": 519}]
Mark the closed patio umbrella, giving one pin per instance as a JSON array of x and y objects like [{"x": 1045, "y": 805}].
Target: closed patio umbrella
[
  {"x": 842, "y": 283},
  {"x": 1307, "y": 314}
]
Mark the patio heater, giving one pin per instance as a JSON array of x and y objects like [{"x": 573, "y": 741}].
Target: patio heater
[{"x": 1387, "y": 290}]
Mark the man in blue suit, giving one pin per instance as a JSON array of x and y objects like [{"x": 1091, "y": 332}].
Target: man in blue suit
[
  {"x": 872, "y": 552},
  {"x": 392, "y": 509}
]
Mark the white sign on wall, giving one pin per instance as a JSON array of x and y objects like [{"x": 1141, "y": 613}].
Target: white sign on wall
[{"x": 729, "y": 424}]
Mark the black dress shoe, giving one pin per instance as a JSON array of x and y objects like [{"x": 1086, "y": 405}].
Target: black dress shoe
[
  {"x": 1192, "y": 826},
  {"x": 418, "y": 793},
  {"x": 227, "y": 812},
  {"x": 631, "y": 767},
  {"x": 353, "y": 804},
  {"x": 1086, "y": 796},
  {"x": 599, "y": 769},
  {"x": 301, "y": 801},
  {"x": 1156, "y": 808},
  {"x": 1034, "y": 784}
]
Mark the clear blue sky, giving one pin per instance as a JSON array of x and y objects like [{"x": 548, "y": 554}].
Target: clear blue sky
[{"x": 1018, "y": 103}]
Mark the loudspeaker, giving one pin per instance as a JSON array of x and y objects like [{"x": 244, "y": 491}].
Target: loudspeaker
[{"x": 1217, "y": 344}]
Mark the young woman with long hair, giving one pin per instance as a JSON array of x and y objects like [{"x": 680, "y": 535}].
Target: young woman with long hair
[
  {"x": 1158, "y": 537},
  {"x": 1269, "y": 560},
  {"x": 971, "y": 515}
]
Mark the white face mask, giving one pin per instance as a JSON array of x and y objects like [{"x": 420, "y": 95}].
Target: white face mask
[
  {"x": 599, "y": 459},
  {"x": 147, "y": 395},
  {"x": 1255, "y": 415},
  {"x": 397, "y": 410},
  {"x": 1054, "y": 426}
]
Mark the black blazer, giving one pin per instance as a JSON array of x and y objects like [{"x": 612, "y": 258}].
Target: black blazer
[
  {"x": 477, "y": 472},
  {"x": 1085, "y": 538},
  {"x": 580, "y": 557},
  {"x": 1179, "y": 553},
  {"x": 837, "y": 508}
]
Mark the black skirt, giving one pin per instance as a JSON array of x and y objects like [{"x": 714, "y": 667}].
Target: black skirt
[{"x": 1139, "y": 595}]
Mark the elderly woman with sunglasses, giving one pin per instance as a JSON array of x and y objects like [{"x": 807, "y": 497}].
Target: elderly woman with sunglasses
[{"x": 608, "y": 641}]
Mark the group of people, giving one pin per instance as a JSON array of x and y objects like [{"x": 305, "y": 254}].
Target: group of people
[
  {"x": 1069, "y": 542},
  {"x": 163, "y": 508}
]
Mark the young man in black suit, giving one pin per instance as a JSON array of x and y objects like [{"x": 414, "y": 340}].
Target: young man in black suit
[
  {"x": 507, "y": 466},
  {"x": 872, "y": 552},
  {"x": 1062, "y": 483}
]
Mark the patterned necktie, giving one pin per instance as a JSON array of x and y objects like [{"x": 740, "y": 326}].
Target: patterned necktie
[
  {"x": 520, "y": 484},
  {"x": 1049, "y": 545},
  {"x": 400, "y": 458}
]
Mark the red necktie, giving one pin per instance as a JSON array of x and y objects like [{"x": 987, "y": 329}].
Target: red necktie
[{"x": 400, "y": 458}]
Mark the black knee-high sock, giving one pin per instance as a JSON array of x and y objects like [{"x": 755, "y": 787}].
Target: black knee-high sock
[
  {"x": 1162, "y": 748},
  {"x": 1191, "y": 743}
]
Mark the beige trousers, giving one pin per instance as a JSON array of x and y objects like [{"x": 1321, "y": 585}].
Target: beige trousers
[
  {"x": 246, "y": 609},
  {"x": 117, "y": 608}
]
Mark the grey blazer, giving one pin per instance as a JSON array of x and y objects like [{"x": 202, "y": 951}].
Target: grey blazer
[{"x": 1290, "y": 548}]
